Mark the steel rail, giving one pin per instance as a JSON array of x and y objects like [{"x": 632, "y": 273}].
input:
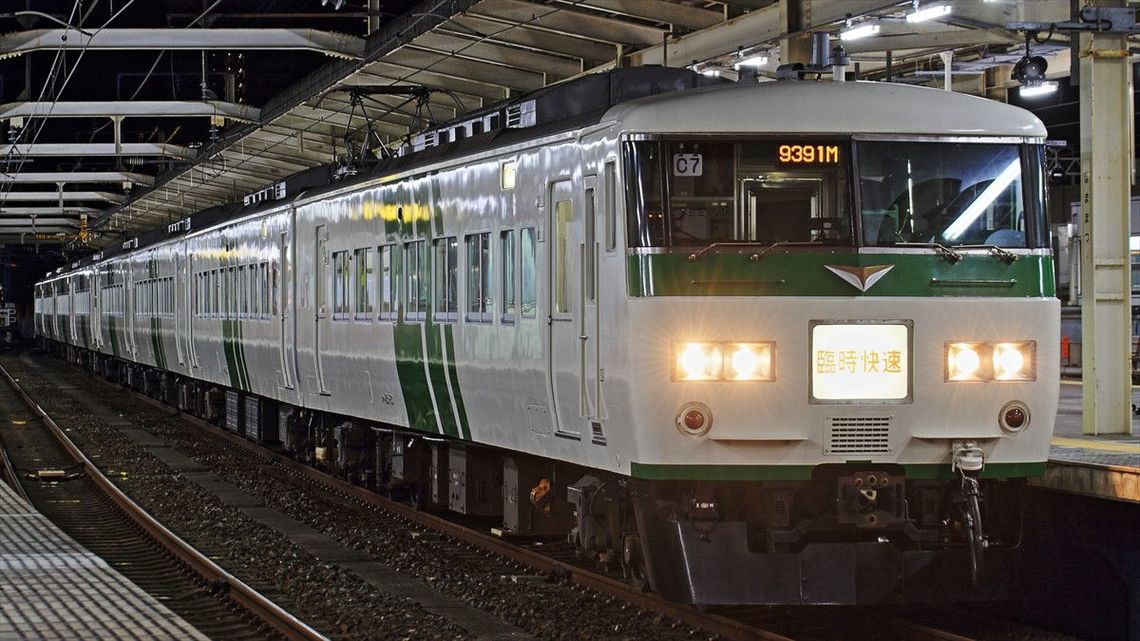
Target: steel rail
[
  {"x": 246, "y": 597},
  {"x": 8, "y": 473},
  {"x": 721, "y": 626},
  {"x": 911, "y": 631}
]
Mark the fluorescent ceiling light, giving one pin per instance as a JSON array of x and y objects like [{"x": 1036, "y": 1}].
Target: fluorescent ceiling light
[
  {"x": 753, "y": 61},
  {"x": 984, "y": 199},
  {"x": 862, "y": 31},
  {"x": 929, "y": 13},
  {"x": 1043, "y": 89},
  {"x": 712, "y": 73}
]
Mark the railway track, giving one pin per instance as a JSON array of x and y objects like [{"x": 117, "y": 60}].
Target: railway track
[
  {"x": 73, "y": 493},
  {"x": 532, "y": 563}
]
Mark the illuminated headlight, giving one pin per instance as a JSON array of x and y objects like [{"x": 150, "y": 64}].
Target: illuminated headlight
[
  {"x": 1015, "y": 361},
  {"x": 749, "y": 362},
  {"x": 964, "y": 362},
  {"x": 980, "y": 361},
  {"x": 699, "y": 362},
  {"x": 724, "y": 361}
]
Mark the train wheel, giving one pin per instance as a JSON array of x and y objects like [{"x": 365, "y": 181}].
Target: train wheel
[{"x": 633, "y": 563}]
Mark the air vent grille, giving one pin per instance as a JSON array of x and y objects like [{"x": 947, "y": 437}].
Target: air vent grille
[{"x": 858, "y": 435}]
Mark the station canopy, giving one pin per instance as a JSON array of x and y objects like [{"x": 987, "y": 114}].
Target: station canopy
[{"x": 135, "y": 114}]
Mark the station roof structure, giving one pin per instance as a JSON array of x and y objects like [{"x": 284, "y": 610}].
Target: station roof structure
[{"x": 125, "y": 117}]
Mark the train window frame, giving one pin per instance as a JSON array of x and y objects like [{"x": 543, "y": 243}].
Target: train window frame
[
  {"x": 363, "y": 305},
  {"x": 341, "y": 289},
  {"x": 528, "y": 267},
  {"x": 609, "y": 185},
  {"x": 415, "y": 281},
  {"x": 388, "y": 282},
  {"x": 507, "y": 276},
  {"x": 480, "y": 289},
  {"x": 445, "y": 273}
]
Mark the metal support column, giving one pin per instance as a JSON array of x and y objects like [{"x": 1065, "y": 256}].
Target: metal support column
[{"x": 1106, "y": 175}]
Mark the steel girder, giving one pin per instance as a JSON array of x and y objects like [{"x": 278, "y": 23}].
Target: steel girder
[
  {"x": 69, "y": 177},
  {"x": 56, "y": 196},
  {"x": 99, "y": 149},
  {"x": 334, "y": 44},
  {"x": 130, "y": 109}
]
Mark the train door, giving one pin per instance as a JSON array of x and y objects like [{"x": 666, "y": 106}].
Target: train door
[
  {"x": 181, "y": 312},
  {"x": 567, "y": 334},
  {"x": 322, "y": 283},
  {"x": 589, "y": 295},
  {"x": 129, "y": 305},
  {"x": 279, "y": 275},
  {"x": 195, "y": 304}
]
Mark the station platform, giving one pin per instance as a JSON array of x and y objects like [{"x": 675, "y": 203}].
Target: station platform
[
  {"x": 1104, "y": 466},
  {"x": 53, "y": 589}
]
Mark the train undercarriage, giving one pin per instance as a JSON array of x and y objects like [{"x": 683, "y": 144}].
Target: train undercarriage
[{"x": 854, "y": 533}]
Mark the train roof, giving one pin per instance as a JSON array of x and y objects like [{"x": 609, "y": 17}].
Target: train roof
[{"x": 826, "y": 107}]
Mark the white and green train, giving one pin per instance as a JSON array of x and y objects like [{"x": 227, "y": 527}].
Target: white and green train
[{"x": 784, "y": 342}]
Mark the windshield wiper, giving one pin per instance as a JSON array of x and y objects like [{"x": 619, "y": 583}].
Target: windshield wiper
[
  {"x": 942, "y": 250},
  {"x": 994, "y": 250},
  {"x": 764, "y": 247}
]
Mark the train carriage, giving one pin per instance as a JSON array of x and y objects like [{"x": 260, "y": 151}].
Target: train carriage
[{"x": 789, "y": 342}]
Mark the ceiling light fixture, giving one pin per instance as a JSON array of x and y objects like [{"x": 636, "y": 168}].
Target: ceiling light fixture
[
  {"x": 929, "y": 13},
  {"x": 1041, "y": 89},
  {"x": 857, "y": 33},
  {"x": 752, "y": 61}
]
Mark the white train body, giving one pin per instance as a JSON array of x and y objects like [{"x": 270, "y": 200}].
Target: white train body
[{"x": 555, "y": 334}]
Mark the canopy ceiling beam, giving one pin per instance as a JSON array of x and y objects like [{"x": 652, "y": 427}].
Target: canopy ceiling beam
[
  {"x": 680, "y": 15},
  {"x": 98, "y": 149},
  {"x": 591, "y": 51},
  {"x": 554, "y": 65},
  {"x": 70, "y": 177},
  {"x": 567, "y": 21},
  {"x": 130, "y": 109},
  {"x": 56, "y": 196},
  {"x": 333, "y": 44}
]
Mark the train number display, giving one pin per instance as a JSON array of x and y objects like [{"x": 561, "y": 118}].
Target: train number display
[
  {"x": 688, "y": 165},
  {"x": 817, "y": 154}
]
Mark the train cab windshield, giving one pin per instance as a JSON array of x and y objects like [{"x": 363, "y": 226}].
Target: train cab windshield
[
  {"x": 697, "y": 192},
  {"x": 833, "y": 192}
]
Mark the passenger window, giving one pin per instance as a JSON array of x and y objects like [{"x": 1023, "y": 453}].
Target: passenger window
[
  {"x": 388, "y": 290},
  {"x": 341, "y": 279},
  {"x": 528, "y": 304},
  {"x": 611, "y": 205},
  {"x": 446, "y": 259},
  {"x": 364, "y": 284},
  {"x": 507, "y": 277},
  {"x": 417, "y": 284},
  {"x": 563, "y": 219},
  {"x": 480, "y": 305}
]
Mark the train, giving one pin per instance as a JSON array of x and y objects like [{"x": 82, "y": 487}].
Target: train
[{"x": 787, "y": 342}]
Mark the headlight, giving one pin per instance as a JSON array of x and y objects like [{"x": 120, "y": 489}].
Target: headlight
[
  {"x": 981, "y": 361},
  {"x": 1015, "y": 361},
  {"x": 724, "y": 361},
  {"x": 750, "y": 362},
  {"x": 964, "y": 362},
  {"x": 699, "y": 362}
]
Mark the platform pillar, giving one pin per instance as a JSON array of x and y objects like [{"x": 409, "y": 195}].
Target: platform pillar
[{"x": 1107, "y": 161}]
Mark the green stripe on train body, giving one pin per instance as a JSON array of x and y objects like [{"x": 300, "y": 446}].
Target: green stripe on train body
[
  {"x": 917, "y": 471},
  {"x": 806, "y": 274},
  {"x": 453, "y": 373},
  {"x": 228, "y": 351},
  {"x": 239, "y": 355}
]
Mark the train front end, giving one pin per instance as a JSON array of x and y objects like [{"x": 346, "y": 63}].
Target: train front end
[{"x": 843, "y": 344}]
